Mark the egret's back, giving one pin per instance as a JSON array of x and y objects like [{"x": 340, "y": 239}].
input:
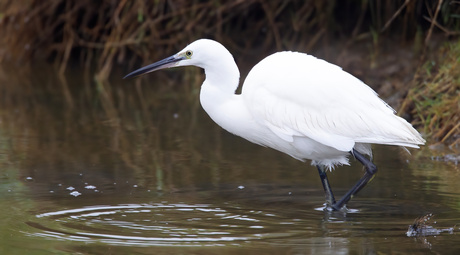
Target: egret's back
[{"x": 297, "y": 95}]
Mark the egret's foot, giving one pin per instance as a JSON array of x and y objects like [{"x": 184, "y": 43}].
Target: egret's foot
[{"x": 335, "y": 208}]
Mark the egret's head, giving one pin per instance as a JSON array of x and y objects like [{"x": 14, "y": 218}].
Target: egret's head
[{"x": 199, "y": 53}]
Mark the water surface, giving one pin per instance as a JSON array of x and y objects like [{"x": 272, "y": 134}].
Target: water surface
[{"x": 131, "y": 168}]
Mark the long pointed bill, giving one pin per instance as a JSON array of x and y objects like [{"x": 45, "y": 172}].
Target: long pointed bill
[{"x": 165, "y": 63}]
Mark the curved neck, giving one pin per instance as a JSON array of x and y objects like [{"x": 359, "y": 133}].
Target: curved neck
[
  {"x": 218, "y": 98},
  {"x": 223, "y": 75}
]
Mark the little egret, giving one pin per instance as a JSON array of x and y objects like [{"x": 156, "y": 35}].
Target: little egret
[{"x": 297, "y": 104}]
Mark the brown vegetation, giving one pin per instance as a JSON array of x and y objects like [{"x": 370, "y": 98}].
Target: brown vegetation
[
  {"x": 434, "y": 100},
  {"x": 108, "y": 32}
]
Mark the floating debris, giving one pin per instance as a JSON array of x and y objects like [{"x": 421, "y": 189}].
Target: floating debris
[
  {"x": 421, "y": 227},
  {"x": 448, "y": 158},
  {"x": 75, "y": 193}
]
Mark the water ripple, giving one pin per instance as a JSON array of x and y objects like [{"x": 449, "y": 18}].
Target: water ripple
[{"x": 160, "y": 224}]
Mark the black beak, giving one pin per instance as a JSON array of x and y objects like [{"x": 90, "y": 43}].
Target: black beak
[{"x": 165, "y": 63}]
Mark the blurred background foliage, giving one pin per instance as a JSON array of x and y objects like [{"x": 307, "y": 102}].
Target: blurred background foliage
[
  {"x": 110, "y": 32},
  {"x": 111, "y": 37}
]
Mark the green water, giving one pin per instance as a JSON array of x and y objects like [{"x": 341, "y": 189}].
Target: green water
[{"x": 144, "y": 171}]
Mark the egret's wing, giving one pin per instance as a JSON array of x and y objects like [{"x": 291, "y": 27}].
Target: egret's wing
[{"x": 295, "y": 94}]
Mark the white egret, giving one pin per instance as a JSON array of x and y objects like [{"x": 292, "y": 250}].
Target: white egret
[{"x": 297, "y": 104}]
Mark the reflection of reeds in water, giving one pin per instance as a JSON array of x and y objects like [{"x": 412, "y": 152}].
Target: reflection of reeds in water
[
  {"x": 48, "y": 138},
  {"x": 155, "y": 135}
]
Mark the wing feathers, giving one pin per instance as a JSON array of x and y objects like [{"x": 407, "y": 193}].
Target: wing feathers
[{"x": 295, "y": 94}]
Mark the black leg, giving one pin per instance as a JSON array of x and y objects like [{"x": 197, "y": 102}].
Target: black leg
[
  {"x": 371, "y": 169},
  {"x": 330, "y": 200}
]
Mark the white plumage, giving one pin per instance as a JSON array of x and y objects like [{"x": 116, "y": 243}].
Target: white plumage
[
  {"x": 298, "y": 96},
  {"x": 294, "y": 103}
]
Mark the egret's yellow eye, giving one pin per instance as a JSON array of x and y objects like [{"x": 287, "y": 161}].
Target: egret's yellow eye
[{"x": 188, "y": 53}]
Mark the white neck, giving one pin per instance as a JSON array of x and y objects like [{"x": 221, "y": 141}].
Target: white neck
[
  {"x": 218, "y": 98},
  {"x": 223, "y": 75}
]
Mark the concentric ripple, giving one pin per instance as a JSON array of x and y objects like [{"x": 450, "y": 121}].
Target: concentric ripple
[{"x": 161, "y": 224}]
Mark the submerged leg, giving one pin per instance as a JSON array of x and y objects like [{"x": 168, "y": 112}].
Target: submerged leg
[
  {"x": 330, "y": 200},
  {"x": 371, "y": 169}
]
